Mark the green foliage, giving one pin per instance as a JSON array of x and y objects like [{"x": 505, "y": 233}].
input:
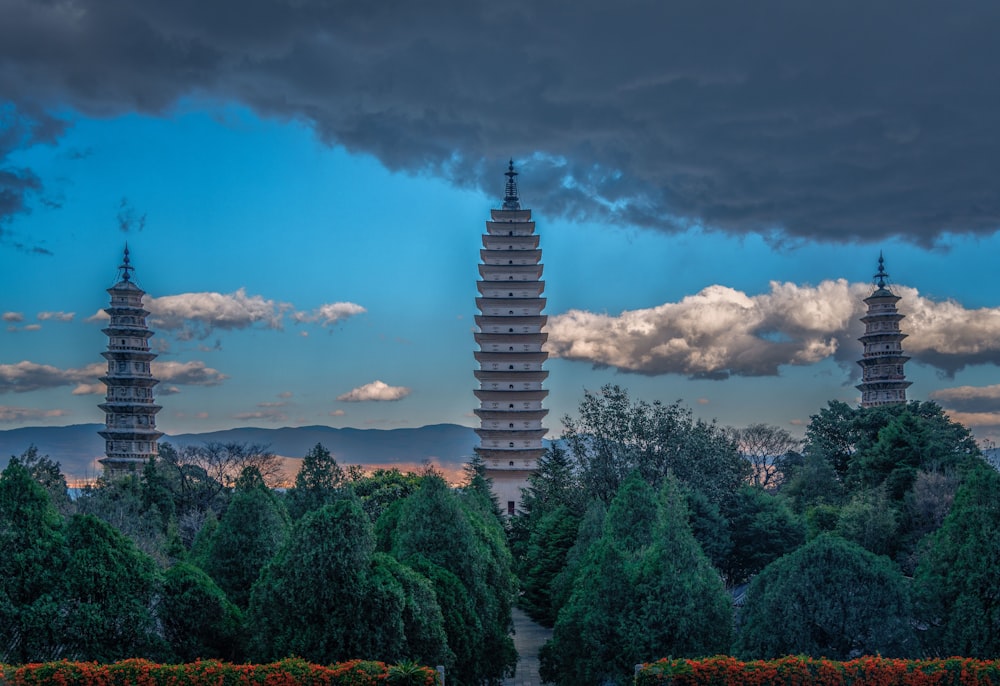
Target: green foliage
[
  {"x": 110, "y": 589},
  {"x": 545, "y": 557},
  {"x": 762, "y": 529},
  {"x": 48, "y": 474},
  {"x": 612, "y": 437},
  {"x": 645, "y": 589},
  {"x": 317, "y": 482},
  {"x": 830, "y": 598},
  {"x": 436, "y": 528},
  {"x": 249, "y": 534},
  {"x": 121, "y": 502},
  {"x": 31, "y": 567},
  {"x": 325, "y": 598},
  {"x": 871, "y": 521},
  {"x": 199, "y": 621},
  {"x": 382, "y": 488},
  {"x": 957, "y": 581}
]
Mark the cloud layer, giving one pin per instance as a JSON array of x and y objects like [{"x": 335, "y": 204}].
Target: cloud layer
[
  {"x": 832, "y": 121},
  {"x": 376, "y": 390},
  {"x": 721, "y": 332}
]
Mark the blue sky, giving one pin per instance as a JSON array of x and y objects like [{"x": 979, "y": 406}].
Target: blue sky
[{"x": 304, "y": 209}]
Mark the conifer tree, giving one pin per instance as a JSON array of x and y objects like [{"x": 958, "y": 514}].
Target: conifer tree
[
  {"x": 199, "y": 621},
  {"x": 317, "y": 483},
  {"x": 110, "y": 590},
  {"x": 957, "y": 581},
  {"x": 31, "y": 567},
  {"x": 249, "y": 534}
]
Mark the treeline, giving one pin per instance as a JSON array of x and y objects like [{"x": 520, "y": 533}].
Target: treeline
[
  {"x": 185, "y": 561},
  {"x": 649, "y": 534}
]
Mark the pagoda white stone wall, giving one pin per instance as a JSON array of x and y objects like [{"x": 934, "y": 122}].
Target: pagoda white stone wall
[{"x": 511, "y": 352}]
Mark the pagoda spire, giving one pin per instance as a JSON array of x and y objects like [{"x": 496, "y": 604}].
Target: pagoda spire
[
  {"x": 125, "y": 269},
  {"x": 511, "y": 201},
  {"x": 881, "y": 277}
]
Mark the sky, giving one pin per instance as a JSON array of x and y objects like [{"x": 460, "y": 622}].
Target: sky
[{"x": 303, "y": 186}]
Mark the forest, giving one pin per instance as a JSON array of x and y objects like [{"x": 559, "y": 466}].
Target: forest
[{"x": 645, "y": 533}]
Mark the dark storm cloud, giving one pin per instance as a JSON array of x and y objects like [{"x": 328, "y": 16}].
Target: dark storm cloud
[{"x": 830, "y": 121}]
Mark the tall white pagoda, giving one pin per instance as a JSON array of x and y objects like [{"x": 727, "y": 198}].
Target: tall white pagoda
[
  {"x": 883, "y": 381},
  {"x": 130, "y": 433},
  {"x": 511, "y": 354}
]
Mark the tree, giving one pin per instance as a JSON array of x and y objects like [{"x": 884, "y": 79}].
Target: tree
[
  {"x": 250, "y": 533},
  {"x": 325, "y": 596},
  {"x": 317, "y": 483},
  {"x": 381, "y": 488},
  {"x": 110, "y": 589},
  {"x": 544, "y": 558},
  {"x": 199, "y": 621},
  {"x": 612, "y": 437},
  {"x": 957, "y": 584},
  {"x": 31, "y": 567},
  {"x": 762, "y": 445},
  {"x": 762, "y": 529},
  {"x": 830, "y": 598},
  {"x": 48, "y": 473},
  {"x": 448, "y": 542},
  {"x": 646, "y": 590},
  {"x": 224, "y": 462},
  {"x": 124, "y": 504},
  {"x": 871, "y": 521}
]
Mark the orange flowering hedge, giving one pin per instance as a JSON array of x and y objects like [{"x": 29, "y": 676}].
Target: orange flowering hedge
[
  {"x": 806, "y": 671},
  {"x": 290, "y": 672}
]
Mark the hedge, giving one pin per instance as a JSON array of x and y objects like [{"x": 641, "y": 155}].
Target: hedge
[
  {"x": 290, "y": 672},
  {"x": 807, "y": 671}
]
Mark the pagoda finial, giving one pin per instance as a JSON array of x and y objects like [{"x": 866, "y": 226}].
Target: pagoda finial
[
  {"x": 125, "y": 269},
  {"x": 881, "y": 276},
  {"x": 510, "y": 199}
]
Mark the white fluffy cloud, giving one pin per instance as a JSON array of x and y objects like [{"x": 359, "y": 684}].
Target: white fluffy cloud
[
  {"x": 329, "y": 313},
  {"x": 197, "y": 315},
  {"x": 12, "y": 317},
  {"x": 721, "y": 331},
  {"x": 376, "y": 390}
]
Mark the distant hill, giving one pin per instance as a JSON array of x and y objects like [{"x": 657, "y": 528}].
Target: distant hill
[{"x": 77, "y": 447}]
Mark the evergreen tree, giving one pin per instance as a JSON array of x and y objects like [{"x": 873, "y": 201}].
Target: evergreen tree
[
  {"x": 199, "y": 621},
  {"x": 434, "y": 526},
  {"x": 830, "y": 598},
  {"x": 380, "y": 489},
  {"x": 249, "y": 534},
  {"x": 317, "y": 483},
  {"x": 31, "y": 567},
  {"x": 645, "y": 591},
  {"x": 544, "y": 559},
  {"x": 957, "y": 581},
  {"x": 325, "y": 598},
  {"x": 110, "y": 590}
]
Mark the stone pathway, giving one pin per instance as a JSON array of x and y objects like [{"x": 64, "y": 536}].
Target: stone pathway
[{"x": 528, "y": 639}]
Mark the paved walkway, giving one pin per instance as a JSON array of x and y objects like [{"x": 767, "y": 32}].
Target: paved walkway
[{"x": 528, "y": 639}]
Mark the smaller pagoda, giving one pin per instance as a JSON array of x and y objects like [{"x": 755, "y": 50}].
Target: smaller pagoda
[
  {"x": 883, "y": 381},
  {"x": 130, "y": 433}
]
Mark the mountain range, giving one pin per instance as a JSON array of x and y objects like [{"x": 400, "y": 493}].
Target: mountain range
[{"x": 448, "y": 446}]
